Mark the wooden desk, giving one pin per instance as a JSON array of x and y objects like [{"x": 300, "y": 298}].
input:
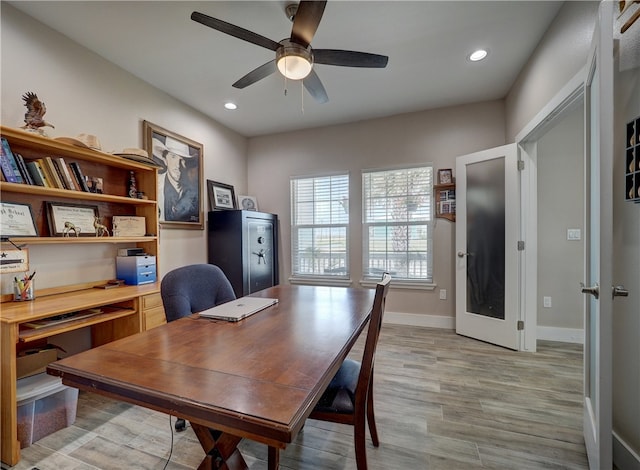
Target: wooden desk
[
  {"x": 124, "y": 319},
  {"x": 258, "y": 378}
]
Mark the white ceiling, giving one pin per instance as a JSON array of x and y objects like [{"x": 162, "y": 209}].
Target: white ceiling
[{"x": 427, "y": 43}]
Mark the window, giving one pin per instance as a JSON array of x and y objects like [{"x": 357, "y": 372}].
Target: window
[
  {"x": 397, "y": 223},
  {"x": 320, "y": 226}
]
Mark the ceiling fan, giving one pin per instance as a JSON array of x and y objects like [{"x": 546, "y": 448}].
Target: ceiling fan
[{"x": 294, "y": 55}]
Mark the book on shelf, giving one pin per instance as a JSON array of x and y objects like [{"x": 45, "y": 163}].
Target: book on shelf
[
  {"x": 64, "y": 170},
  {"x": 47, "y": 173},
  {"x": 8, "y": 163},
  {"x": 51, "y": 167},
  {"x": 22, "y": 166},
  {"x": 36, "y": 174},
  {"x": 80, "y": 179}
]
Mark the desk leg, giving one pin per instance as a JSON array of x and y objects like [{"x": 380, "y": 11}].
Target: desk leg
[
  {"x": 274, "y": 458},
  {"x": 9, "y": 444},
  {"x": 221, "y": 449}
]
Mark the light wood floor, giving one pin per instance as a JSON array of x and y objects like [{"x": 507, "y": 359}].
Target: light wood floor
[{"x": 443, "y": 402}]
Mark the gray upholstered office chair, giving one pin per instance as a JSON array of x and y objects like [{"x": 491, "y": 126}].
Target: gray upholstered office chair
[
  {"x": 349, "y": 397},
  {"x": 191, "y": 289},
  {"x": 194, "y": 288}
]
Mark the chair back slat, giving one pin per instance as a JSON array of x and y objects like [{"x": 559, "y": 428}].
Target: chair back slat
[{"x": 373, "y": 332}]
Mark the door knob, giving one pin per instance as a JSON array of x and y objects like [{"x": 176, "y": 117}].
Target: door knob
[
  {"x": 462, "y": 254},
  {"x": 619, "y": 291},
  {"x": 594, "y": 290}
]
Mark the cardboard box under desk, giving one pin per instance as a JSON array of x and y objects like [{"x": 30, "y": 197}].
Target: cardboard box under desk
[{"x": 34, "y": 362}]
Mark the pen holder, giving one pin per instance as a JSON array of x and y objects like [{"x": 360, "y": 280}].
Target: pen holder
[{"x": 23, "y": 291}]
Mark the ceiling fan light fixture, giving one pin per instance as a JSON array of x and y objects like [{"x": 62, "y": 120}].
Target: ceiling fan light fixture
[{"x": 294, "y": 61}]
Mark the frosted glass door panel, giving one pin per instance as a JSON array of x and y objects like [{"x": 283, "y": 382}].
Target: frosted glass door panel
[{"x": 486, "y": 238}]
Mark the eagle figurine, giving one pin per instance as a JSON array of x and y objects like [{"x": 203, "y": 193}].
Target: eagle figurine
[{"x": 34, "y": 117}]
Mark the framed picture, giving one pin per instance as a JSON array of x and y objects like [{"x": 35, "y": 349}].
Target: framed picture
[
  {"x": 445, "y": 176},
  {"x": 221, "y": 196},
  {"x": 16, "y": 220},
  {"x": 71, "y": 220},
  {"x": 247, "y": 203},
  {"x": 180, "y": 162}
]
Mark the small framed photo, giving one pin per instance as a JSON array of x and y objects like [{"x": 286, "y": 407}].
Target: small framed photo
[
  {"x": 16, "y": 220},
  {"x": 95, "y": 184},
  {"x": 445, "y": 176},
  {"x": 247, "y": 203},
  {"x": 66, "y": 220},
  {"x": 221, "y": 196}
]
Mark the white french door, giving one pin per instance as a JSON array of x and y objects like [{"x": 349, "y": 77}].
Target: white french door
[
  {"x": 598, "y": 94},
  {"x": 487, "y": 256}
]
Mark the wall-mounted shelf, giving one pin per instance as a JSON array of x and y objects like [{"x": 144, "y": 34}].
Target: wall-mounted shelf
[
  {"x": 445, "y": 201},
  {"x": 632, "y": 161}
]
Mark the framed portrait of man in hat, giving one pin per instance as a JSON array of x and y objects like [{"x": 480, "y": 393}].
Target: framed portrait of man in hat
[{"x": 179, "y": 177}]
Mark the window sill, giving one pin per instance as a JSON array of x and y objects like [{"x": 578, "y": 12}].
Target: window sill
[
  {"x": 317, "y": 281},
  {"x": 400, "y": 284}
]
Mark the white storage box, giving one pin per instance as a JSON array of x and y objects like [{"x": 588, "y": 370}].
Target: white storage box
[{"x": 44, "y": 406}]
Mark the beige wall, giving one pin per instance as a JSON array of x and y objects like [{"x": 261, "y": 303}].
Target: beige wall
[
  {"x": 436, "y": 136},
  {"x": 561, "y": 54},
  {"x": 85, "y": 93},
  {"x": 560, "y": 165}
]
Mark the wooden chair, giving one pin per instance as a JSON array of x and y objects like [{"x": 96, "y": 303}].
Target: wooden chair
[
  {"x": 190, "y": 289},
  {"x": 349, "y": 397}
]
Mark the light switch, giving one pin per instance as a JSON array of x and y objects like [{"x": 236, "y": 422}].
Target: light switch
[
  {"x": 443, "y": 294},
  {"x": 546, "y": 302},
  {"x": 574, "y": 234}
]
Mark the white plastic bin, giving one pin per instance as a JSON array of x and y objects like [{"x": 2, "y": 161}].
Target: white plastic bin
[{"x": 44, "y": 406}]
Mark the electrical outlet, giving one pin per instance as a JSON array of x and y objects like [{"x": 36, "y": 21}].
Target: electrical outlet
[
  {"x": 546, "y": 302},
  {"x": 443, "y": 294}
]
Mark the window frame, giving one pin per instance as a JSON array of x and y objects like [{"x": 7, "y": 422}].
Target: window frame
[
  {"x": 426, "y": 282},
  {"x": 298, "y": 277}
]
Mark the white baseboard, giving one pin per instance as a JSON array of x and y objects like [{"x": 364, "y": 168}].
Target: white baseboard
[
  {"x": 566, "y": 335},
  {"x": 415, "y": 319},
  {"x": 624, "y": 456}
]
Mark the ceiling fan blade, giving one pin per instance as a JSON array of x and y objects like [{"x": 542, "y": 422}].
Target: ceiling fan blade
[
  {"x": 235, "y": 31},
  {"x": 306, "y": 21},
  {"x": 257, "y": 74},
  {"x": 349, "y": 58},
  {"x": 314, "y": 86}
]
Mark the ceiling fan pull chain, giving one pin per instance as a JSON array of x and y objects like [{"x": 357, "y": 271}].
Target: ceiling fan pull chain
[
  {"x": 301, "y": 97},
  {"x": 285, "y": 79}
]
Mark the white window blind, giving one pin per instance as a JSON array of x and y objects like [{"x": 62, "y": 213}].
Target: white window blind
[
  {"x": 320, "y": 226},
  {"x": 397, "y": 223}
]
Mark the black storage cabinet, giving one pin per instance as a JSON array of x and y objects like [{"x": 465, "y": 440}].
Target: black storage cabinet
[{"x": 244, "y": 244}]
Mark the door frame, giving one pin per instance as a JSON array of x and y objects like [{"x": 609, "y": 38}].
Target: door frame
[{"x": 565, "y": 101}]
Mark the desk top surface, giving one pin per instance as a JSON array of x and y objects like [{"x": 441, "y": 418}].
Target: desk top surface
[
  {"x": 257, "y": 378},
  {"x": 56, "y": 304}
]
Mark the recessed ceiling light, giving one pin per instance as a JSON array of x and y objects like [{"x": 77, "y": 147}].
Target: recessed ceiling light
[
  {"x": 231, "y": 105},
  {"x": 478, "y": 55}
]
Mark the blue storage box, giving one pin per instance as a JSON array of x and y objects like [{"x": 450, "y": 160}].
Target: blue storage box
[{"x": 136, "y": 270}]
